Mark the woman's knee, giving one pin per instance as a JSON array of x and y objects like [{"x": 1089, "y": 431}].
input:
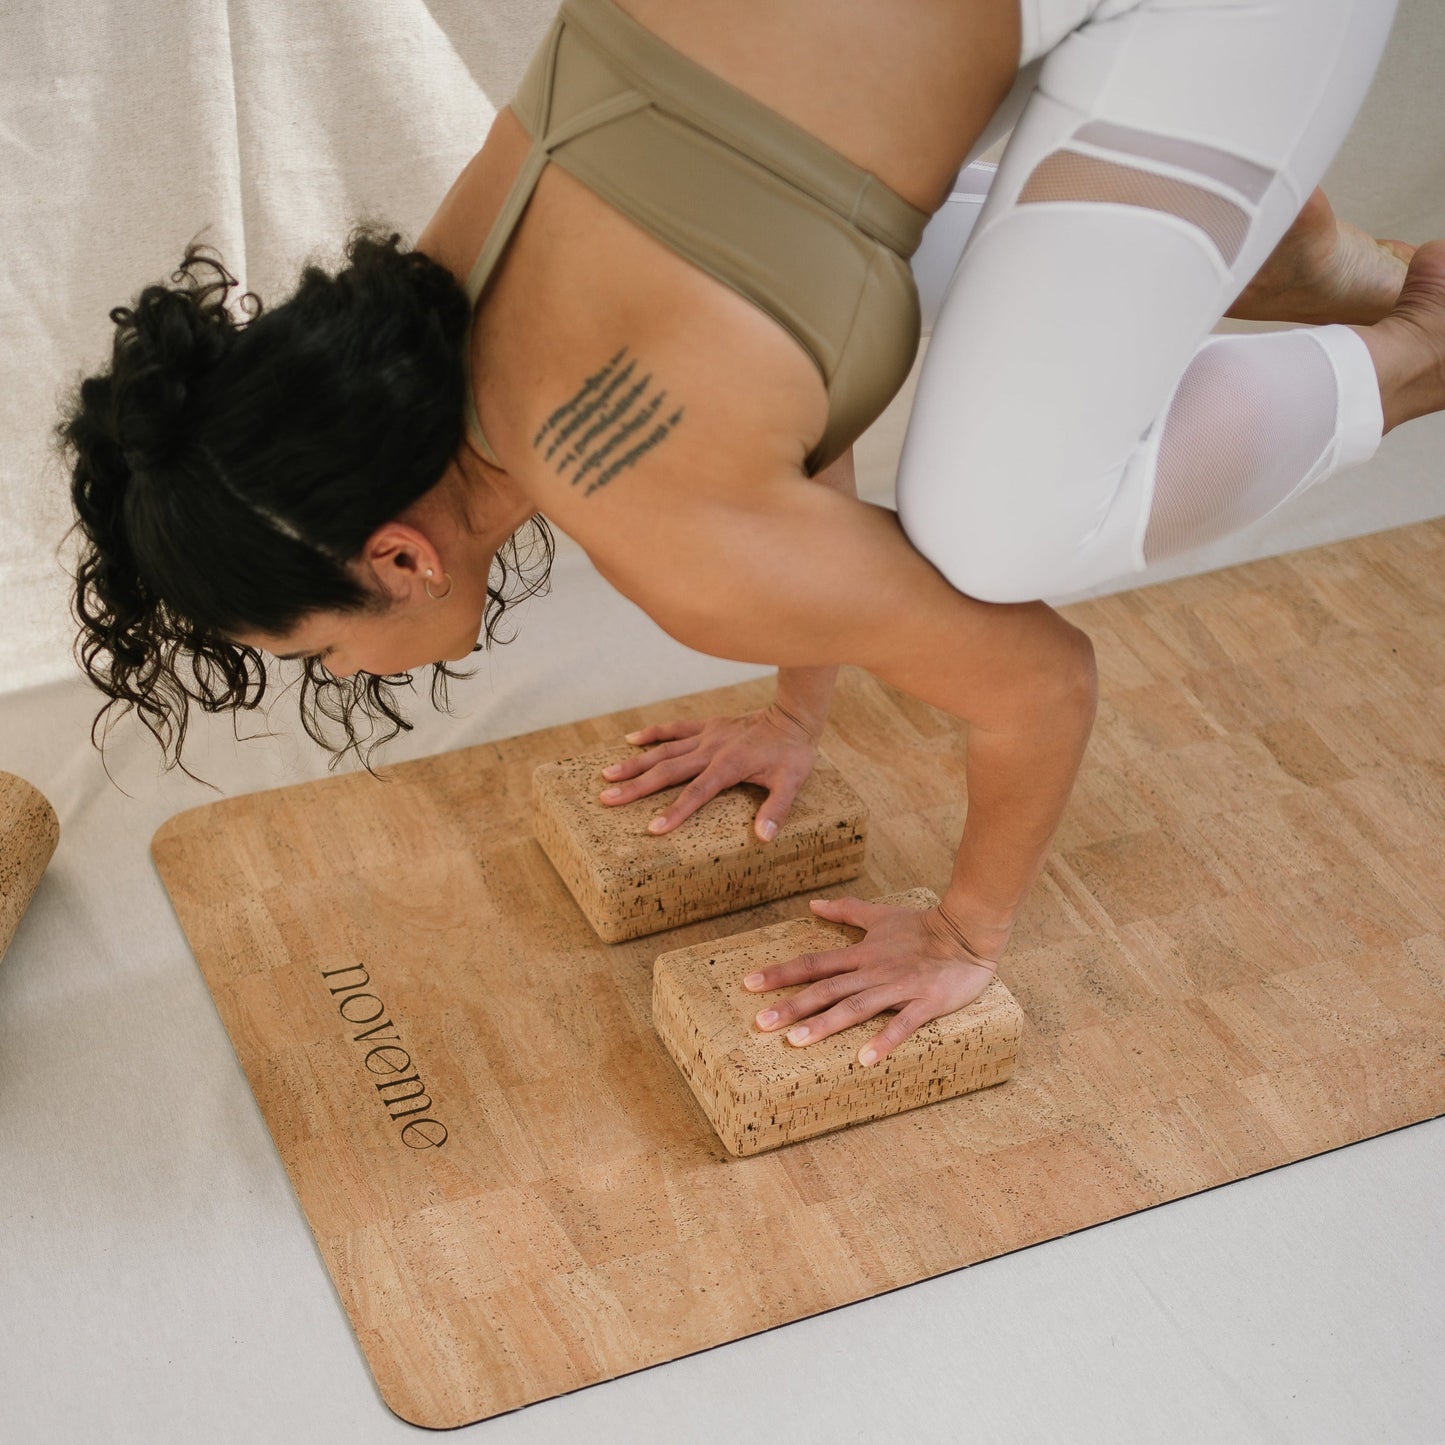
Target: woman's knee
[{"x": 981, "y": 552}]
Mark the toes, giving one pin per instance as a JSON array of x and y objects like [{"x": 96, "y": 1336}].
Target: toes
[
  {"x": 1427, "y": 265},
  {"x": 1422, "y": 297}
]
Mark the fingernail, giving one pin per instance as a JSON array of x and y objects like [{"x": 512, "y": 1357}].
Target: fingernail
[
  {"x": 612, "y": 793},
  {"x": 610, "y": 772},
  {"x": 769, "y": 830},
  {"x": 633, "y": 737},
  {"x": 768, "y": 1016},
  {"x": 868, "y": 1056},
  {"x": 797, "y": 1036},
  {"x": 657, "y": 825},
  {"x": 753, "y": 980}
]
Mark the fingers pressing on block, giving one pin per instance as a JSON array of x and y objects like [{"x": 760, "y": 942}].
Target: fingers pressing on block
[
  {"x": 760, "y": 1091},
  {"x": 629, "y": 882}
]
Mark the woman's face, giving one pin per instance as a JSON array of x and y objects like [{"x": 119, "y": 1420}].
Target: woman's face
[
  {"x": 425, "y": 612},
  {"x": 427, "y": 571},
  {"x": 398, "y": 639}
]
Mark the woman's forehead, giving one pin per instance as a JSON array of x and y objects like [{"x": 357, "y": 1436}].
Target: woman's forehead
[{"x": 299, "y": 642}]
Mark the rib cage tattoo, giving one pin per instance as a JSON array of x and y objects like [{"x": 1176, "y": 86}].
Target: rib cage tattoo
[{"x": 614, "y": 419}]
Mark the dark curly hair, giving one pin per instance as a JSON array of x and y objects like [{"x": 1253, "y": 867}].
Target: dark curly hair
[{"x": 224, "y": 471}]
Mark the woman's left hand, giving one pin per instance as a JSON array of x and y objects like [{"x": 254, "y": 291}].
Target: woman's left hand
[
  {"x": 768, "y": 747},
  {"x": 912, "y": 960}
]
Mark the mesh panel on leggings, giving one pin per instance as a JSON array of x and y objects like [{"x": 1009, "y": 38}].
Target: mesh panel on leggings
[
  {"x": 1068, "y": 175},
  {"x": 1250, "y": 419},
  {"x": 1244, "y": 176}
]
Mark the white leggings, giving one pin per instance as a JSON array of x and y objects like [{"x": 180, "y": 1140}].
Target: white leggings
[{"x": 1074, "y": 418}]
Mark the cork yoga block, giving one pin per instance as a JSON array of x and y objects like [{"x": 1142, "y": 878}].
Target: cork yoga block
[
  {"x": 29, "y": 831},
  {"x": 759, "y": 1091},
  {"x": 630, "y": 882}
]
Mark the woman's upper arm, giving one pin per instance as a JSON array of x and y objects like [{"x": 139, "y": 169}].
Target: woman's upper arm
[{"x": 796, "y": 575}]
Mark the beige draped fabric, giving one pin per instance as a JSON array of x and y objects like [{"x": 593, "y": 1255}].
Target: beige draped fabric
[
  {"x": 262, "y": 127},
  {"x": 267, "y": 127}
]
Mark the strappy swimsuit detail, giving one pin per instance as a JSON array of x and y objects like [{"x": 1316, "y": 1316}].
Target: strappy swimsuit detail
[{"x": 757, "y": 202}]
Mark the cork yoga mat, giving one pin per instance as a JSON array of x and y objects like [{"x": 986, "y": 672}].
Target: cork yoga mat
[{"x": 1234, "y": 959}]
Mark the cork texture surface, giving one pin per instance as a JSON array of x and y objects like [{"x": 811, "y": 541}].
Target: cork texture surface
[
  {"x": 29, "y": 834},
  {"x": 1234, "y": 958},
  {"x": 629, "y": 882},
  {"x": 759, "y": 1092}
]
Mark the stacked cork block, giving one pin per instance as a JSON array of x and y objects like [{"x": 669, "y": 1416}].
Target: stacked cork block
[
  {"x": 29, "y": 832},
  {"x": 629, "y": 882},
  {"x": 759, "y": 1091}
]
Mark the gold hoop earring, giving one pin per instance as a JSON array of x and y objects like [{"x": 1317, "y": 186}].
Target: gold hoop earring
[{"x": 438, "y": 597}]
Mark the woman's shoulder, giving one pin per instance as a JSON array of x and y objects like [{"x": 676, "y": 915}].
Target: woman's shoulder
[
  {"x": 600, "y": 356},
  {"x": 454, "y": 234},
  {"x": 584, "y": 283},
  {"x": 619, "y": 433}
]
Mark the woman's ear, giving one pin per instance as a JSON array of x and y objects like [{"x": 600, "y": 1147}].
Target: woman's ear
[{"x": 398, "y": 555}]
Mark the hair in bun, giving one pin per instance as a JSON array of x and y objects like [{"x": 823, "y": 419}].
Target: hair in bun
[{"x": 224, "y": 471}]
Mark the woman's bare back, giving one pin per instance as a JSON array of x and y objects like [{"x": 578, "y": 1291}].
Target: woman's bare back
[
  {"x": 905, "y": 101},
  {"x": 902, "y": 91}
]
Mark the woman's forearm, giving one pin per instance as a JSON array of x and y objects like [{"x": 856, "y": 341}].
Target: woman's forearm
[
  {"x": 802, "y": 577},
  {"x": 1018, "y": 788},
  {"x": 1020, "y": 772},
  {"x": 807, "y": 692}
]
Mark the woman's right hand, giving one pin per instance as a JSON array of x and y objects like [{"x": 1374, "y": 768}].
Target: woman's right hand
[{"x": 767, "y": 747}]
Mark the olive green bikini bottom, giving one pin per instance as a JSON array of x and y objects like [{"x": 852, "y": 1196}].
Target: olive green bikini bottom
[{"x": 757, "y": 202}]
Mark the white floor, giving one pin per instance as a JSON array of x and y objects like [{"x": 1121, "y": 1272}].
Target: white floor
[{"x": 158, "y": 1282}]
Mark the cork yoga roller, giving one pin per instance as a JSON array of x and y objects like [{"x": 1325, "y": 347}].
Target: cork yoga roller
[
  {"x": 759, "y": 1091},
  {"x": 630, "y": 882},
  {"x": 29, "y": 831}
]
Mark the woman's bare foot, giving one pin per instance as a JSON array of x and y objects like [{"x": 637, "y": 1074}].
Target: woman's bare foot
[
  {"x": 1324, "y": 271},
  {"x": 1408, "y": 346}
]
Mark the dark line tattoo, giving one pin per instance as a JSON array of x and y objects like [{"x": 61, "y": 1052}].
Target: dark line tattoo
[
  {"x": 614, "y": 415},
  {"x": 614, "y": 419},
  {"x": 618, "y": 437},
  {"x": 583, "y": 415},
  {"x": 646, "y": 445},
  {"x": 590, "y": 385}
]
